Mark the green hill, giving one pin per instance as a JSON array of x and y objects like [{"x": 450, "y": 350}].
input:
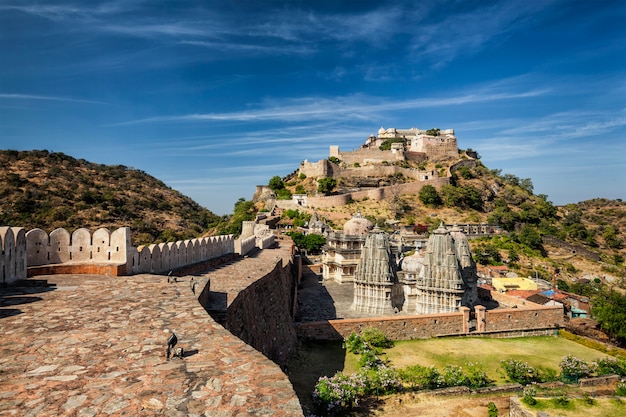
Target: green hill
[{"x": 51, "y": 190}]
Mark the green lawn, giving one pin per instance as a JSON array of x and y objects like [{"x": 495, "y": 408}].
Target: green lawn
[{"x": 542, "y": 351}]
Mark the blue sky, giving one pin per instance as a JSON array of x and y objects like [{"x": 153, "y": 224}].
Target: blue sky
[{"x": 215, "y": 97}]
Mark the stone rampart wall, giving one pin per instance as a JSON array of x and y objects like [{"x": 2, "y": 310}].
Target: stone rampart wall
[
  {"x": 261, "y": 314},
  {"x": 245, "y": 245},
  {"x": 467, "y": 163},
  {"x": 12, "y": 254},
  {"x": 374, "y": 155},
  {"x": 498, "y": 323},
  {"x": 265, "y": 242},
  {"x": 104, "y": 248},
  {"x": 519, "y": 319},
  {"x": 317, "y": 169},
  {"x": 577, "y": 249},
  {"x": 165, "y": 257},
  {"x": 396, "y": 328},
  {"x": 379, "y": 193}
]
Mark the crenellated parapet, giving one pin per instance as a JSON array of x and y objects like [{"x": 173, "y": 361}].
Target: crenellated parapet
[
  {"x": 81, "y": 246},
  {"x": 12, "y": 254},
  {"x": 163, "y": 257},
  {"x": 103, "y": 252}
]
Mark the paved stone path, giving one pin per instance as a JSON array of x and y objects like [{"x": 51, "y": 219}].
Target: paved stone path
[{"x": 95, "y": 346}]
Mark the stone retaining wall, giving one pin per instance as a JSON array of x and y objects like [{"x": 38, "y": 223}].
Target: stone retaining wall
[
  {"x": 261, "y": 314},
  {"x": 377, "y": 194},
  {"x": 537, "y": 321}
]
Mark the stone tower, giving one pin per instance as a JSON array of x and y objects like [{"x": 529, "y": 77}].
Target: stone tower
[
  {"x": 375, "y": 277},
  {"x": 467, "y": 267},
  {"x": 440, "y": 286}
]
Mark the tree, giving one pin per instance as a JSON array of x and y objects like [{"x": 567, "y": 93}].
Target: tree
[
  {"x": 326, "y": 185},
  {"x": 312, "y": 243},
  {"x": 433, "y": 132},
  {"x": 276, "y": 183},
  {"x": 609, "y": 309},
  {"x": 429, "y": 196}
]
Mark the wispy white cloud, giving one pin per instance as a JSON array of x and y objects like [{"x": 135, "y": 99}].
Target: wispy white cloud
[
  {"x": 556, "y": 134},
  {"x": 46, "y": 98},
  {"x": 439, "y": 42},
  {"x": 356, "y": 106}
]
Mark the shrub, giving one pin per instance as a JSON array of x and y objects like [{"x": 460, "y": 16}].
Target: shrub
[
  {"x": 476, "y": 377},
  {"x": 492, "y": 410},
  {"x": 530, "y": 392},
  {"x": 610, "y": 366},
  {"x": 452, "y": 376},
  {"x": 573, "y": 368},
  {"x": 620, "y": 389},
  {"x": 381, "y": 381},
  {"x": 520, "y": 372},
  {"x": 339, "y": 393},
  {"x": 420, "y": 377}
]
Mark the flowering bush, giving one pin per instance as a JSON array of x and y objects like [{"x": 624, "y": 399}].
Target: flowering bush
[
  {"x": 420, "y": 377},
  {"x": 620, "y": 390},
  {"x": 573, "y": 368},
  {"x": 452, "y": 376},
  {"x": 610, "y": 366},
  {"x": 476, "y": 377},
  {"x": 339, "y": 393},
  {"x": 520, "y": 372},
  {"x": 530, "y": 391},
  {"x": 381, "y": 381}
]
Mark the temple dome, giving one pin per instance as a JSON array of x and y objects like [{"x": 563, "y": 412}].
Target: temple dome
[{"x": 357, "y": 225}]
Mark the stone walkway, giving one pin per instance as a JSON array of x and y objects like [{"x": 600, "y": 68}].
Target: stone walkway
[{"x": 95, "y": 346}]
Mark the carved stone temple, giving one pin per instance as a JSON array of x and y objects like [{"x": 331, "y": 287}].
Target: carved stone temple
[
  {"x": 375, "y": 278},
  {"x": 440, "y": 280}
]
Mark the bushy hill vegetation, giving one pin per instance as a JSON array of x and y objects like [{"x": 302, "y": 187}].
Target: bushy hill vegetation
[
  {"x": 49, "y": 190},
  {"x": 477, "y": 194}
]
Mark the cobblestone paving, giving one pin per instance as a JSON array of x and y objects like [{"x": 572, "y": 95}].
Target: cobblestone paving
[{"x": 95, "y": 346}]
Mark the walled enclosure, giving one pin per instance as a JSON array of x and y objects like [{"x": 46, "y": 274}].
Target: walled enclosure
[{"x": 531, "y": 320}]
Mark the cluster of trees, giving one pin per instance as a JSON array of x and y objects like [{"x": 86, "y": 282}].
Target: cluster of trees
[{"x": 451, "y": 196}]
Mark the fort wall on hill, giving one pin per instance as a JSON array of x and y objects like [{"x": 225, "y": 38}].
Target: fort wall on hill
[{"x": 379, "y": 193}]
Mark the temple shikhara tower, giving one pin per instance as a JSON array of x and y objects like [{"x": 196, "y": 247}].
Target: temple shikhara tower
[
  {"x": 375, "y": 277},
  {"x": 441, "y": 286},
  {"x": 440, "y": 280}
]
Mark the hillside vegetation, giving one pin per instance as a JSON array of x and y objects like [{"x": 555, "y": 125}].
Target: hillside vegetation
[
  {"x": 49, "y": 190},
  {"x": 477, "y": 194}
]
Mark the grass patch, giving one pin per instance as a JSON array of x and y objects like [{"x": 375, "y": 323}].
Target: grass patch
[
  {"x": 541, "y": 351},
  {"x": 579, "y": 407}
]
